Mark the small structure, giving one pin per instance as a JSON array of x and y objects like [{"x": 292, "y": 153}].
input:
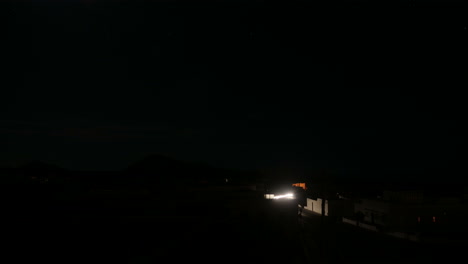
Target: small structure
[{"x": 300, "y": 185}]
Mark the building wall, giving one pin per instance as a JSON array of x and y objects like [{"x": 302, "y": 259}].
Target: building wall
[
  {"x": 310, "y": 205},
  {"x": 335, "y": 208},
  {"x": 375, "y": 211},
  {"x": 432, "y": 215},
  {"x": 410, "y": 216},
  {"x": 316, "y": 206},
  {"x": 368, "y": 227},
  {"x": 404, "y": 196},
  {"x": 349, "y": 221},
  {"x": 404, "y": 236}
]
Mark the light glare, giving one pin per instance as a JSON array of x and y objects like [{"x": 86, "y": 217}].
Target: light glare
[{"x": 289, "y": 195}]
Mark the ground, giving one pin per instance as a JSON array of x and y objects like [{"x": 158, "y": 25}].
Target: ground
[{"x": 209, "y": 224}]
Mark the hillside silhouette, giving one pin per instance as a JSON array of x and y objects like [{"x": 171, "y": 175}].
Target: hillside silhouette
[{"x": 159, "y": 169}]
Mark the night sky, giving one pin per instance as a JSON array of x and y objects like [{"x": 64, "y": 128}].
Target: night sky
[{"x": 98, "y": 85}]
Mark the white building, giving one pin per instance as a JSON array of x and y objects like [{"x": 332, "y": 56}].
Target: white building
[
  {"x": 316, "y": 205},
  {"x": 334, "y": 208}
]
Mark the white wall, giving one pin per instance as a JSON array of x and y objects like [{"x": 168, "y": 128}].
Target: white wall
[
  {"x": 349, "y": 221},
  {"x": 368, "y": 227},
  {"x": 309, "y": 205},
  {"x": 316, "y": 206},
  {"x": 319, "y": 210},
  {"x": 404, "y": 236}
]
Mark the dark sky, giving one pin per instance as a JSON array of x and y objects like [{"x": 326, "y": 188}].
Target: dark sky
[{"x": 99, "y": 85}]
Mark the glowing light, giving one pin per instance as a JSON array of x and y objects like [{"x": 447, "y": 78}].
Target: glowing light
[
  {"x": 301, "y": 185},
  {"x": 434, "y": 219},
  {"x": 288, "y": 196}
]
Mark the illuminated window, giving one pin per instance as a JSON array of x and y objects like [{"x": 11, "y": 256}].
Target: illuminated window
[{"x": 434, "y": 219}]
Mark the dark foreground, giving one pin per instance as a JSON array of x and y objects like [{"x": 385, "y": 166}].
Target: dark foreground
[
  {"x": 211, "y": 224},
  {"x": 342, "y": 243}
]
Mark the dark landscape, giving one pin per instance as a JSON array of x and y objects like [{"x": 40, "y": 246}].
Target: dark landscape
[{"x": 233, "y": 131}]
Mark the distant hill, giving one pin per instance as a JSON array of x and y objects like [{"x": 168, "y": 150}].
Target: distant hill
[
  {"x": 162, "y": 169},
  {"x": 155, "y": 170},
  {"x": 40, "y": 166},
  {"x": 34, "y": 172},
  {"x": 159, "y": 168}
]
